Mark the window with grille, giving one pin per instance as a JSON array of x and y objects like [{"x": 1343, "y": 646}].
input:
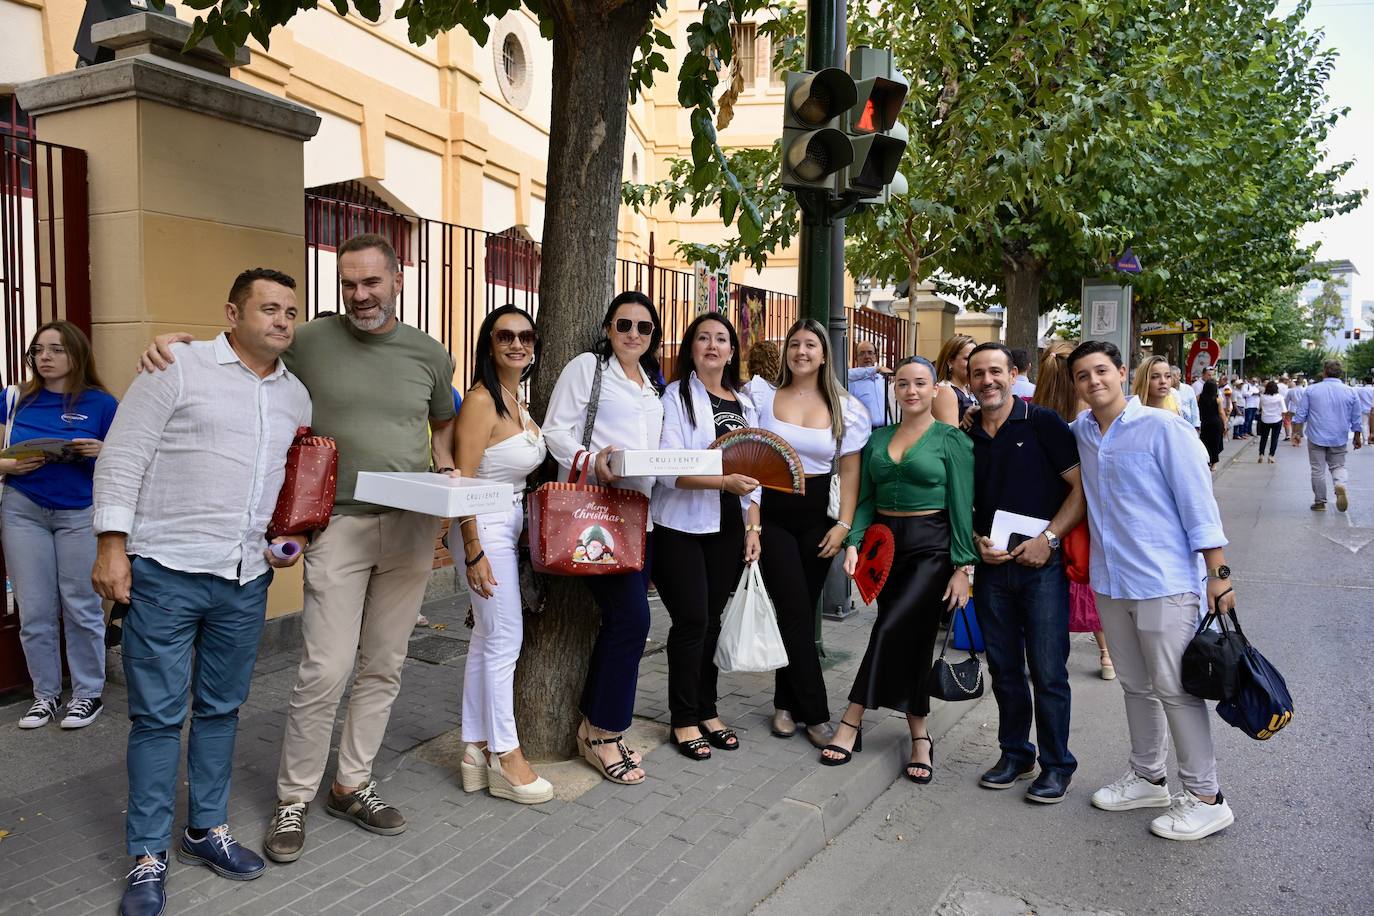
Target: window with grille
[
  {"x": 17, "y": 159},
  {"x": 336, "y": 212},
  {"x": 745, "y": 38},
  {"x": 512, "y": 259}
]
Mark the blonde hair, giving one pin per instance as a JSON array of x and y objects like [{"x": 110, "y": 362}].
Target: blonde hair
[
  {"x": 1140, "y": 385},
  {"x": 948, "y": 352},
  {"x": 831, "y": 391},
  {"x": 1054, "y": 383}
]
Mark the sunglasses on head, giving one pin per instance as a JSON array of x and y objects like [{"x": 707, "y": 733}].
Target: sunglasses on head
[
  {"x": 645, "y": 328},
  {"x": 504, "y": 338}
]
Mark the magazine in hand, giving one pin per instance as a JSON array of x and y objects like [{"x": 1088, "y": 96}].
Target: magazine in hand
[{"x": 52, "y": 449}]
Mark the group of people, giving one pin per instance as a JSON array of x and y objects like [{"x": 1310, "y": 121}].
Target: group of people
[{"x": 177, "y": 507}]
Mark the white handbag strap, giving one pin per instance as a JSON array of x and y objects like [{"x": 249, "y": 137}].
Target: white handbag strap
[{"x": 11, "y": 402}]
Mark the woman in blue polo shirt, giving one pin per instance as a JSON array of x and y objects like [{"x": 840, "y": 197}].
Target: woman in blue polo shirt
[{"x": 46, "y": 521}]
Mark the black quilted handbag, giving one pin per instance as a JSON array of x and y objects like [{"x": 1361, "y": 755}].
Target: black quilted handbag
[{"x": 955, "y": 681}]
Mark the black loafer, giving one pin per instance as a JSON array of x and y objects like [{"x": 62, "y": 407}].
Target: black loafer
[
  {"x": 1049, "y": 787},
  {"x": 1006, "y": 772}
]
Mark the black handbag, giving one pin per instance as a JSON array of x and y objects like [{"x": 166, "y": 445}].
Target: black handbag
[
  {"x": 954, "y": 681},
  {"x": 1212, "y": 661}
]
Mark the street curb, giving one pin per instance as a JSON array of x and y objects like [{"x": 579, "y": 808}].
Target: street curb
[
  {"x": 813, "y": 812},
  {"x": 1226, "y": 463}
]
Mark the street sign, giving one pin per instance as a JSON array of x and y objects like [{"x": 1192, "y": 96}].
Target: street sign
[
  {"x": 1128, "y": 262},
  {"x": 1204, "y": 353},
  {"x": 1191, "y": 326}
]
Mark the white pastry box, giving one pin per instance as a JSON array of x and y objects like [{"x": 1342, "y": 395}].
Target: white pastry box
[
  {"x": 433, "y": 494},
  {"x": 665, "y": 462}
]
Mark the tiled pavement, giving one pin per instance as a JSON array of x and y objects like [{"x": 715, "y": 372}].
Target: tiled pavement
[{"x": 614, "y": 849}]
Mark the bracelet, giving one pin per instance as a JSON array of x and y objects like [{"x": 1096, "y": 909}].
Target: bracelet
[
  {"x": 845, "y": 525},
  {"x": 475, "y": 560},
  {"x": 749, "y": 528},
  {"x": 442, "y": 470}
]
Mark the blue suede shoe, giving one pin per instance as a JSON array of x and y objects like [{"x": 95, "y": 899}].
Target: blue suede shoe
[
  {"x": 222, "y": 854},
  {"x": 146, "y": 892}
]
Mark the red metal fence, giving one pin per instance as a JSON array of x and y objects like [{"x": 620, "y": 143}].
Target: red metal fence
[
  {"x": 454, "y": 275},
  {"x": 44, "y": 275}
]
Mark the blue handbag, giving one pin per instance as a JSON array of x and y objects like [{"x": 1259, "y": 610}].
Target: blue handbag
[
  {"x": 966, "y": 635},
  {"x": 1261, "y": 705}
]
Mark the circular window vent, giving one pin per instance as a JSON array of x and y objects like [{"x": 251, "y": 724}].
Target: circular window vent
[{"x": 513, "y": 66}]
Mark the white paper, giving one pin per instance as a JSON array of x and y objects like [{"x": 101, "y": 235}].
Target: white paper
[
  {"x": 1104, "y": 317},
  {"x": 433, "y": 494},
  {"x": 665, "y": 462},
  {"x": 1005, "y": 524}
]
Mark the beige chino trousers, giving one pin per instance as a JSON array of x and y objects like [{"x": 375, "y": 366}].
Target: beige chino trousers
[{"x": 365, "y": 578}]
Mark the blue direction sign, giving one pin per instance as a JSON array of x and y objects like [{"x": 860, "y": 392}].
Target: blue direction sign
[{"x": 1128, "y": 262}]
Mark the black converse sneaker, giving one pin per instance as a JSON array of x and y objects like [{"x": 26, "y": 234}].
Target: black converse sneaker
[
  {"x": 82, "y": 711},
  {"x": 40, "y": 713}
]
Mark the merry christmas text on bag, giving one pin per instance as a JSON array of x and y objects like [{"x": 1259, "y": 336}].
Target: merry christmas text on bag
[{"x": 577, "y": 529}]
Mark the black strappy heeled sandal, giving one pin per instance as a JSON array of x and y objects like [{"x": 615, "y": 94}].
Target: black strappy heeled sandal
[
  {"x": 616, "y": 770},
  {"x": 723, "y": 739},
  {"x": 845, "y": 755},
  {"x": 916, "y": 765},
  {"x": 691, "y": 748}
]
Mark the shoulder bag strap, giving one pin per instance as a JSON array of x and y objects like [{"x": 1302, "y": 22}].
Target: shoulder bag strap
[
  {"x": 11, "y": 402},
  {"x": 839, "y": 443},
  {"x": 592, "y": 404}
]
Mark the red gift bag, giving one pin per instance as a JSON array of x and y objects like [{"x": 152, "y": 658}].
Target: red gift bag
[
  {"x": 306, "y": 500},
  {"x": 577, "y": 529}
]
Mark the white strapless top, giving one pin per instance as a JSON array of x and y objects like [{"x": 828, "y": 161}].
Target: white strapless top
[{"x": 512, "y": 460}]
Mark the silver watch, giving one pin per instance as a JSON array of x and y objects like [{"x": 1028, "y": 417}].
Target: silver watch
[{"x": 1052, "y": 538}]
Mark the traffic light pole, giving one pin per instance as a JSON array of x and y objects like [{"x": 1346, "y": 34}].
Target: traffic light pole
[{"x": 814, "y": 267}]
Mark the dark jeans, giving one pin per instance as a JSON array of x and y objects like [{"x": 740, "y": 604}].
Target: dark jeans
[
  {"x": 608, "y": 697},
  {"x": 793, "y": 527},
  {"x": 185, "y": 632},
  {"x": 1269, "y": 432},
  {"x": 1024, "y": 616},
  {"x": 695, "y": 575},
  {"x": 1250, "y": 414}
]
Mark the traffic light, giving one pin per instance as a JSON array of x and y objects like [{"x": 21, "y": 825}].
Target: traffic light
[
  {"x": 877, "y": 140},
  {"x": 814, "y": 148},
  {"x": 1357, "y": 333}
]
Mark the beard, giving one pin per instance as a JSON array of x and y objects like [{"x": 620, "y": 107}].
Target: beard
[{"x": 386, "y": 311}]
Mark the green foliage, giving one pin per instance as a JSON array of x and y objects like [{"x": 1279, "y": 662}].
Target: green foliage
[{"x": 1359, "y": 360}]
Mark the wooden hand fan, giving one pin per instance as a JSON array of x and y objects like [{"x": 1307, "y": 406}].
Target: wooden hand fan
[
  {"x": 764, "y": 456},
  {"x": 875, "y": 562}
]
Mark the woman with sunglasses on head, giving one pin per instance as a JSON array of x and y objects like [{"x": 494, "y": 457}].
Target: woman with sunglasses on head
[
  {"x": 497, "y": 440},
  {"x": 953, "y": 397},
  {"x": 918, "y": 481},
  {"x": 828, "y": 428},
  {"x": 705, "y": 529},
  {"x": 627, "y": 415},
  {"x": 45, "y": 517}
]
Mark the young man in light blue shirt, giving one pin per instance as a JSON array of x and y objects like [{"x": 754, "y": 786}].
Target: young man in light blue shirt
[
  {"x": 1327, "y": 415},
  {"x": 1151, "y": 513}
]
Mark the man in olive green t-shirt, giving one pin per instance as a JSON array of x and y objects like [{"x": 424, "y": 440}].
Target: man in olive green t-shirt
[{"x": 383, "y": 391}]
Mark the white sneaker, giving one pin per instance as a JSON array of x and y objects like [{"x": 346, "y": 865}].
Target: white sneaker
[
  {"x": 1191, "y": 818},
  {"x": 40, "y": 713},
  {"x": 1130, "y": 792}
]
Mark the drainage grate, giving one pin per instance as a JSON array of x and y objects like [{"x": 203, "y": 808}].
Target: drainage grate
[{"x": 436, "y": 649}]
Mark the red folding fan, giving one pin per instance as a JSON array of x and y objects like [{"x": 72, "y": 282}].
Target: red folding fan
[
  {"x": 764, "y": 456},
  {"x": 875, "y": 562}
]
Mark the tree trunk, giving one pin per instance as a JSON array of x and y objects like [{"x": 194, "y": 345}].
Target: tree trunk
[
  {"x": 1022, "y": 274},
  {"x": 593, "y": 46}
]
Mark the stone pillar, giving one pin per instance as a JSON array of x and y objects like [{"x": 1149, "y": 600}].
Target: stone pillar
[
  {"x": 193, "y": 177},
  {"x": 981, "y": 326},
  {"x": 936, "y": 322}
]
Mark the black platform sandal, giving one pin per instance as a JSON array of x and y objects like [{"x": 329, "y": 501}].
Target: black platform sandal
[
  {"x": 723, "y": 739},
  {"x": 691, "y": 748},
  {"x": 845, "y": 756},
  {"x": 615, "y": 771},
  {"x": 928, "y": 767}
]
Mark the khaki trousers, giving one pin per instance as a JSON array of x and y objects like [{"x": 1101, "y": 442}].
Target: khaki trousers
[{"x": 365, "y": 578}]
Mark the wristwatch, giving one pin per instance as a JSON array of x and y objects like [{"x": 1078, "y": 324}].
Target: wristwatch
[
  {"x": 1219, "y": 572},
  {"x": 1052, "y": 538}
]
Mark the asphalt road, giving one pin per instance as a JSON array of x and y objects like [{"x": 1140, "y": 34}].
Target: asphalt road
[{"x": 1303, "y": 841}]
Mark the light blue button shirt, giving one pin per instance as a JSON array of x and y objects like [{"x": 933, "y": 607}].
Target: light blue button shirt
[
  {"x": 1330, "y": 413},
  {"x": 1150, "y": 503},
  {"x": 869, "y": 385}
]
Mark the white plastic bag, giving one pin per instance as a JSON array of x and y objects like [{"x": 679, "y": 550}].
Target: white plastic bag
[{"x": 749, "y": 637}]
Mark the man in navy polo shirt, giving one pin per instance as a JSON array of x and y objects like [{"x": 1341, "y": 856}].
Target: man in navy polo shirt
[{"x": 1025, "y": 461}]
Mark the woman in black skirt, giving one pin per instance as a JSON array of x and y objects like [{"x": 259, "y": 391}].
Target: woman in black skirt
[
  {"x": 918, "y": 477},
  {"x": 1213, "y": 422}
]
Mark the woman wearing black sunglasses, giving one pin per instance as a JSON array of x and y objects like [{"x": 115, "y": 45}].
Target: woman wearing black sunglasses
[{"x": 627, "y": 415}]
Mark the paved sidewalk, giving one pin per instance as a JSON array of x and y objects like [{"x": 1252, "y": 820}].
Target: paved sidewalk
[{"x": 710, "y": 825}]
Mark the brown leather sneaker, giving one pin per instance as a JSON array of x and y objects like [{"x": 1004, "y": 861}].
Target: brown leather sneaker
[
  {"x": 286, "y": 834},
  {"x": 364, "y": 808}
]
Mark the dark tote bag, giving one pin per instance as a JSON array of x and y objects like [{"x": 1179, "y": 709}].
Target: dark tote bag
[
  {"x": 1212, "y": 661},
  {"x": 953, "y": 681}
]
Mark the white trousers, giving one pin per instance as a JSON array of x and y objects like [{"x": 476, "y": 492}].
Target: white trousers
[{"x": 489, "y": 678}]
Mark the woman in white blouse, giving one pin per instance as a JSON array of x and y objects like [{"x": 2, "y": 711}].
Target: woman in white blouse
[
  {"x": 705, "y": 528},
  {"x": 827, "y": 427},
  {"x": 628, "y": 415}
]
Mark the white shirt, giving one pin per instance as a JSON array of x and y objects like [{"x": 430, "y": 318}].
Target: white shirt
[
  {"x": 1187, "y": 405},
  {"x": 629, "y": 416},
  {"x": 1197, "y": 386},
  {"x": 1271, "y": 408},
  {"x": 1252, "y": 396},
  {"x": 693, "y": 511},
  {"x": 816, "y": 446},
  {"x": 1366, "y": 396},
  {"x": 195, "y": 459},
  {"x": 1023, "y": 387}
]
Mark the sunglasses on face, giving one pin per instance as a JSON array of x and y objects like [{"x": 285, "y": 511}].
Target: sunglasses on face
[
  {"x": 645, "y": 328},
  {"x": 504, "y": 338}
]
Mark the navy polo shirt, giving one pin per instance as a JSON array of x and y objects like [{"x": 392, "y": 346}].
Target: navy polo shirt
[{"x": 1019, "y": 470}]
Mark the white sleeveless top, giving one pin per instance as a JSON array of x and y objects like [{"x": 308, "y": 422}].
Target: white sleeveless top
[{"x": 513, "y": 459}]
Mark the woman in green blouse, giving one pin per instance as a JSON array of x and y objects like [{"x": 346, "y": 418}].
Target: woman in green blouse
[{"x": 918, "y": 478}]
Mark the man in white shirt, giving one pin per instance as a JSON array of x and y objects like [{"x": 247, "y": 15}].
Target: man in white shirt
[
  {"x": 1023, "y": 387},
  {"x": 1366, "y": 395},
  {"x": 184, "y": 489},
  {"x": 1187, "y": 399},
  {"x": 1206, "y": 376},
  {"x": 1252, "y": 395},
  {"x": 868, "y": 381}
]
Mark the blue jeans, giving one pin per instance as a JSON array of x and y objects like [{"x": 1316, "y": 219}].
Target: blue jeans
[
  {"x": 49, "y": 554},
  {"x": 608, "y": 697},
  {"x": 1024, "y": 615},
  {"x": 171, "y": 614},
  {"x": 1250, "y": 414}
]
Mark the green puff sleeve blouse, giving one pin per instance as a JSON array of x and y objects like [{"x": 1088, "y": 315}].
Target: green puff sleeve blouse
[{"x": 935, "y": 473}]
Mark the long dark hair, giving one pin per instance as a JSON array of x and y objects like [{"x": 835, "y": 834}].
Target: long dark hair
[
  {"x": 649, "y": 361},
  {"x": 484, "y": 373},
  {"x": 685, "y": 365},
  {"x": 1209, "y": 395},
  {"x": 81, "y": 376}
]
